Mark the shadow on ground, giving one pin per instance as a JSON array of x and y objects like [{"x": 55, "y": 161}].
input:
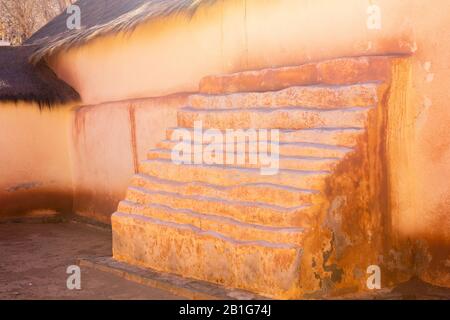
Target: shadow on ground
[{"x": 34, "y": 259}]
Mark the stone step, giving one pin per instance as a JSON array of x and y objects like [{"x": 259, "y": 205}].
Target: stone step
[
  {"x": 228, "y": 227},
  {"x": 326, "y": 97},
  {"x": 343, "y": 71},
  {"x": 258, "y": 266},
  {"x": 344, "y": 137},
  {"x": 294, "y": 149},
  {"x": 247, "y": 212},
  {"x": 283, "y": 118},
  {"x": 264, "y": 193},
  {"x": 231, "y": 176},
  {"x": 285, "y": 162}
]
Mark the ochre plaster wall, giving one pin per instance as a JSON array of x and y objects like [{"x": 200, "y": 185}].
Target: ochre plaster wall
[
  {"x": 172, "y": 55},
  {"x": 35, "y": 173},
  {"x": 77, "y": 159},
  {"x": 108, "y": 141}
]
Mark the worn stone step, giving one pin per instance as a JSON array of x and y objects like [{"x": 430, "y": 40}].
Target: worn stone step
[
  {"x": 343, "y": 71},
  {"x": 248, "y": 212},
  {"x": 344, "y": 137},
  {"x": 258, "y": 266},
  {"x": 265, "y": 193},
  {"x": 294, "y": 149},
  {"x": 285, "y": 162},
  {"x": 283, "y": 118},
  {"x": 326, "y": 97},
  {"x": 228, "y": 227},
  {"x": 231, "y": 176}
]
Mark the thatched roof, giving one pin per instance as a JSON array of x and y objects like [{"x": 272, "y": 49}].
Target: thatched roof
[
  {"x": 22, "y": 81},
  {"x": 101, "y": 17}
]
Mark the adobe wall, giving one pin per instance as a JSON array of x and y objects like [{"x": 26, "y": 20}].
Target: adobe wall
[
  {"x": 77, "y": 159},
  {"x": 108, "y": 141},
  {"x": 35, "y": 173},
  {"x": 243, "y": 35}
]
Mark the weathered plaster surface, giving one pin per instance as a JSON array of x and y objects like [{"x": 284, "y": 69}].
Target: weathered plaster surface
[
  {"x": 110, "y": 138},
  {"x": 107, "y": 143},
  {"x": 34, "y": 159}
]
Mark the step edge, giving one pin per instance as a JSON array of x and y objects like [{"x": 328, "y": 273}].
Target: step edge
[
  {"x": 225, "y": 188},
  {"x": 281, "y": 210},
  {"x": 298, "y": 144},
  {"x": 199, "y": 231},
  {"x": 212, "y": 217},
  {"x": 249, "y": 170},
  {"x": 265, "y": 110},
  {"x": 315, "y": 86}
]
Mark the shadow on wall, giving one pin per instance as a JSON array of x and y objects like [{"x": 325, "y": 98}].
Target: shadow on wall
[{"x": 35, "y": 202}]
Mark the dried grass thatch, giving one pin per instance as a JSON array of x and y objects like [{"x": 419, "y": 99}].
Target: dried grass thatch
[
  {"x": 101, "y": 17},
  {"x": 22, "y": 81}
]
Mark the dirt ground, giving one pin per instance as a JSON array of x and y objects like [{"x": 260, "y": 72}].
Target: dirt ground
[{"x": 34, "y": 258}]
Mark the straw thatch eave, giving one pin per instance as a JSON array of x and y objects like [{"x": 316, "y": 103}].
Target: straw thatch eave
[
  {"x": 103, "y": 17},
  {"x": 20, "y": 81}
]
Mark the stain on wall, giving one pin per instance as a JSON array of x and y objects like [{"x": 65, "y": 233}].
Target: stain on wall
[{"x": 108, "y": 141}]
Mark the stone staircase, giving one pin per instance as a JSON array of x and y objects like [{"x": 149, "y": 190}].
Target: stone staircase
[{"x": 229, "y": 224}]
